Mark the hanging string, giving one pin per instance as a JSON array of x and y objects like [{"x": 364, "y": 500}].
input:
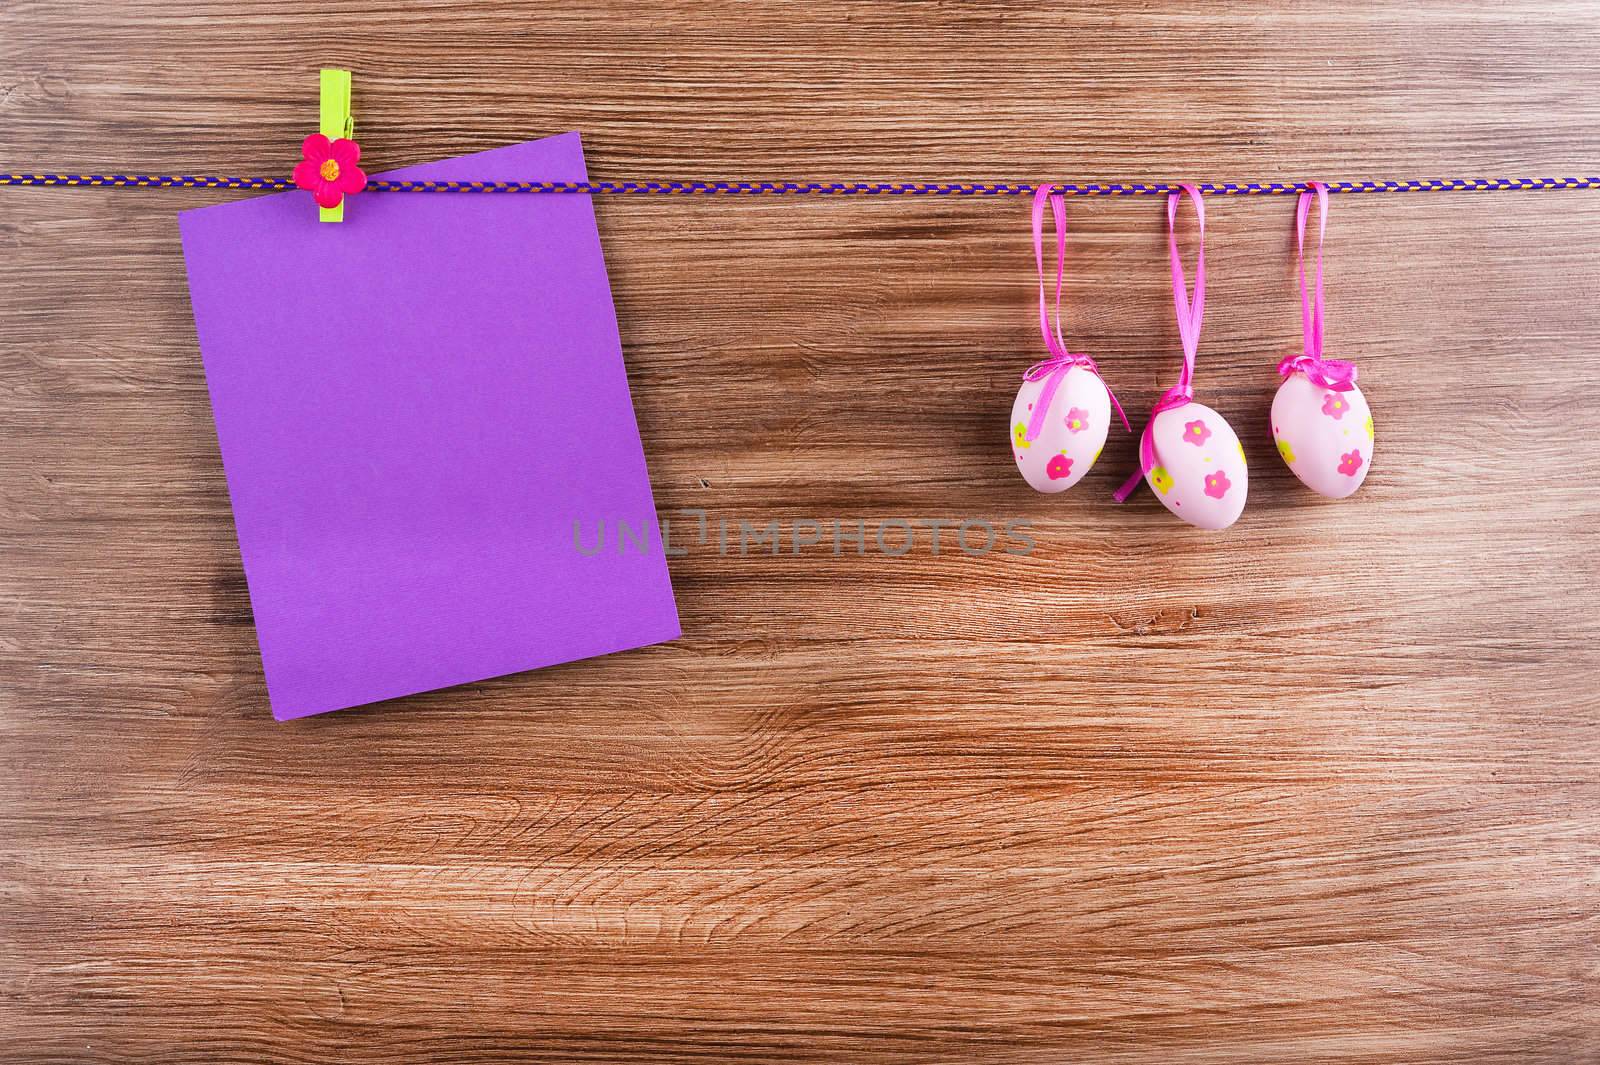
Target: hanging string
[
  {"x": 1191, "y": 311},
  {"x": 1191, "y": 315},
  {"x": 1053, "y": 371},
  {"x": 1336, "y": 374},
  {"x": 1311, "y": 307},
  {"x": 812, "y": 188},
  {"x": 1058, "y": 212}
]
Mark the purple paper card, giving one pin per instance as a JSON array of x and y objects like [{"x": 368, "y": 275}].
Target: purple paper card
[{"x": 415, "y": 406}]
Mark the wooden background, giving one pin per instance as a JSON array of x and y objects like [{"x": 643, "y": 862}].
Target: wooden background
[{"x": 1320, "y": 789}]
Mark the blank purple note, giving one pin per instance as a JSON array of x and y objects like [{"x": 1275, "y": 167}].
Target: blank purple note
[{"x": 415, "y": 407}]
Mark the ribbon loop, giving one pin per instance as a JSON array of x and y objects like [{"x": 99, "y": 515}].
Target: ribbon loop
[
  {"x": 1061, "y": 361},
  {"x": 1191, "y": 314},
  {"x": 1326, "y": 373},
  {"x": 1058, "y": 209}
]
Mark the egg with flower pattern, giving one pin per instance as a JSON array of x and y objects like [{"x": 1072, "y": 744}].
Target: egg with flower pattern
[
  {"x": 1071, "y": 435},
  {"x": 1324, "y": 435},
  {"x": 1199, "y": 472}
]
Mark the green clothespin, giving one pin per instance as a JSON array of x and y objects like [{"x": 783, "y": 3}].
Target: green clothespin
[{"x": 337, "y": 121}]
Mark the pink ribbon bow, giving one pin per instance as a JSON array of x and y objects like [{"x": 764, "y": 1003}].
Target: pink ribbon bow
[
  {"x": 1054, "y": 370},
  {"x": 1190, "y": 317},
  {"x": 1336, "y": 374}
]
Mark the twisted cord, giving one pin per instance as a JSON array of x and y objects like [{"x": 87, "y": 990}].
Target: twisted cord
[{"x": 812, "y": 188}]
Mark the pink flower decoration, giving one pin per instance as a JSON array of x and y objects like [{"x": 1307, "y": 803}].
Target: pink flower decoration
[
  {"x": 1196, "y": 432},
  {"x": 1077, "y": 419},
  {"x": 1217, "y": 484},
  {"x": 1334, "y": 405},
  {"x": 1058, "y": 467},
  {"x": 329, "y": 169},
  {"x": 1349, "y": 463}
]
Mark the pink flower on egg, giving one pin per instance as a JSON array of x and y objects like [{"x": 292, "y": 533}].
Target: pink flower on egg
[
  {"x": 1077, "y": 419},
  {"x": 1217, "y": 484},
  {"x": 1196, "y": 432},
  {"x": 329, "y": 169},
  {"x": 1350, "y": 463},
  {"x": 1334, "y": 405},
  {"x": 1058, "y": 467}
]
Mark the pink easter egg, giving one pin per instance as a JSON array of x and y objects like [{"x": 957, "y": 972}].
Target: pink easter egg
[
  {"x": 1199, "y": 472},
  {"x": 1072, "y": 435},
  {"x": 1324, "y": 435}
]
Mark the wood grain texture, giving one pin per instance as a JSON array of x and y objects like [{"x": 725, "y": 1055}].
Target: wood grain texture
[{"x": 1322, "y": 789}]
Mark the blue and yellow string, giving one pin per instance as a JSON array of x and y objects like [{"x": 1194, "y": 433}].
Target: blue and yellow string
[{"x": 811, "y": 188}]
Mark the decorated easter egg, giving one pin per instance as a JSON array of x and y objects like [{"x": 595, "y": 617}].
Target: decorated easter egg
[
  {"x": 1199, "y": 472},
  {"x": 1073, "y": 432},
  {"x": 1324, "y": 435}
]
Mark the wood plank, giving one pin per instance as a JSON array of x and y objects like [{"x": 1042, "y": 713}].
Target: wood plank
[{"x": 1323, "y": 788}]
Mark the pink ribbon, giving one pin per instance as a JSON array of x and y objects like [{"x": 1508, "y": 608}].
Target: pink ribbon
[
  {"x": 1054, "y": 370},
  {"x": 1327, "y": 373},
  {"x": 1190, "y": 316}
]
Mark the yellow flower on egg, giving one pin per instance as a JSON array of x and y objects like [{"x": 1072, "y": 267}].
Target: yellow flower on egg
[
  {"x": 1020, "y": 434},
  {"x": 1285, "y": 450},
  {"x": 1161, "y": 480},
  {"x": 1369, "y": 427}
]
